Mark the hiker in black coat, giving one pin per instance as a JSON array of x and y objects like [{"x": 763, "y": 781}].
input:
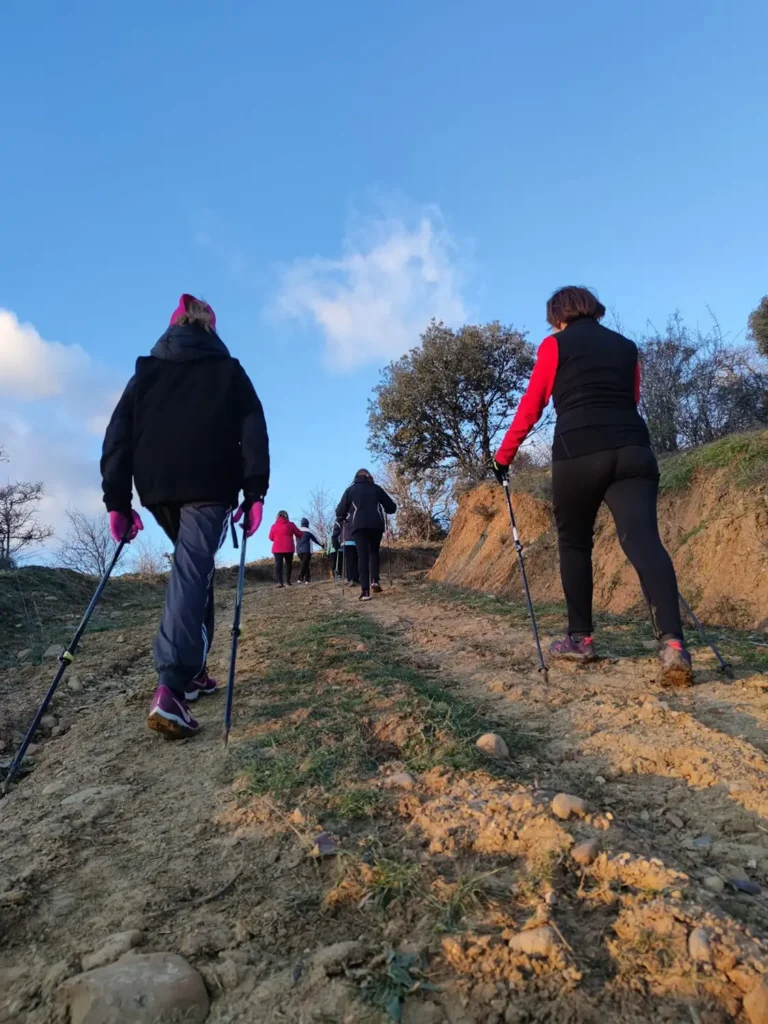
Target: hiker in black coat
[
  {"x": 189, "y": 433},
  {"x": 304, "y": 551},
  {"x": 365, "y": 506}
]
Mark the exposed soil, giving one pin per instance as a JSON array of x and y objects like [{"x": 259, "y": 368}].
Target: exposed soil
[
  {"x": 716, "y": 533},
  {"x": 352, "y": 857}
]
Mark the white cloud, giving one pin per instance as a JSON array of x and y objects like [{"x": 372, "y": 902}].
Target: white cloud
[
  {"x": 55, "y": 403},
  {"x": 31, "y": 367},
  {"x": 372, "y": 302}
]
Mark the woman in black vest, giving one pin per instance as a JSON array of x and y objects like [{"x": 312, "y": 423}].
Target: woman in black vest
[{"x": 601, "y": 452}]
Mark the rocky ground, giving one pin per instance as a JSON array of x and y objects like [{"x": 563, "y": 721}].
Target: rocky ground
[{"x": 356, "y": 855}]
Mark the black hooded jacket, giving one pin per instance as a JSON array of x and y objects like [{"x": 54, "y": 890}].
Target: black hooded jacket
[
  {"x": 189, "y": 427},
  {"x": 363, "y": 506}
]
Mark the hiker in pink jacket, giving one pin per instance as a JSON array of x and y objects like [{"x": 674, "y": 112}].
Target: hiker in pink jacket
[{"x": 283, "y": 535}]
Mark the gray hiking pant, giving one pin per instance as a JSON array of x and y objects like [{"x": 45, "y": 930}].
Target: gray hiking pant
[{"x": 186, "y": 628}]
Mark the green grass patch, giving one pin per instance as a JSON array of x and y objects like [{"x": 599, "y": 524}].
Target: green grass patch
[
  {"x": 744, "y": 455},
  {"x": 330, "y": 687}
]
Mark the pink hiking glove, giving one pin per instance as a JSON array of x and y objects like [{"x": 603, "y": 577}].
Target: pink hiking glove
[
  {"x": 253, "y": 517},
  {"x": 123, "y": 527}
]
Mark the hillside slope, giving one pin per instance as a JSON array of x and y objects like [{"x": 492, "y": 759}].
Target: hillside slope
[{"x": 714, "y": 522}]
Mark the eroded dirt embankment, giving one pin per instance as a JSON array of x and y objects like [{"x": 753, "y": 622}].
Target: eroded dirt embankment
[{"x": 717, "y": 534}]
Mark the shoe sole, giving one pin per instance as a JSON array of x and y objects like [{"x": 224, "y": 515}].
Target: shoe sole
[
  {"x": 582, "y": 659},
  {"x": 194, "y": 694},
  {"x": 376, "y": 589},
  {"x": 677, "y": 677},
  {"x": 169, "y": 728}
]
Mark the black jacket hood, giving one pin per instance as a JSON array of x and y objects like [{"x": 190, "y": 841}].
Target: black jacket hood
[{"x": 184, "y": 343}]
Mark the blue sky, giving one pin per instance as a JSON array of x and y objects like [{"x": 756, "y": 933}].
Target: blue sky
[{"x": 330, "y": 176}]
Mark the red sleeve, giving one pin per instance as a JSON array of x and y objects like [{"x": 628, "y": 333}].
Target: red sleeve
[
  {"x": 533, "y": 402},
  {"x": 637, "y": 381},
  {"x": 272, "y": 532},
  {"x": 296, "y": 531}
]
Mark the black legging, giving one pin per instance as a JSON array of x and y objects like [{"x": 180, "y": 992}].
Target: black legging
[
  {"x": 350, "y": 563},
  {"x": 367, "y": 543},
  {"x": 286, "y": 557},
  {"x": 304, "y": 571},
  {"x": 627, "y": 479}
]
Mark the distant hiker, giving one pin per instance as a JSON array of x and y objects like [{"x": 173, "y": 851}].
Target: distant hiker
[
  {"x": 601, "y": 452},
  {"x": 343, "y": 541},
  {"x": 189, "y": 431},
  {"x": 367, "y": 505},
  {"x": 283, "y": 534},
  {"x": 304, "y": 551}
]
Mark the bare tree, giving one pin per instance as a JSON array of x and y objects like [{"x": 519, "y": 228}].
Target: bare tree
[
  {"x": 321, "y": 513},
  {"x": 425, "y": 502},
  {"x": 697, "y": 388},
  {"x": 20, "y": 528},
  {"x": 88, "y": 546},
  {"x": 149, "y": 558}
]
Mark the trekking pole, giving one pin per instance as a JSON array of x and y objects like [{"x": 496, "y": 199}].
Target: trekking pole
[
  {"x": 235, "y": 629},
  {"x": 529, "y": 602},
  {"x": 389, "y": 548},
  {"x": 65, "y": 660},
  {"x": 343, "y": 570},
  {"x": 725, "y": 667}
]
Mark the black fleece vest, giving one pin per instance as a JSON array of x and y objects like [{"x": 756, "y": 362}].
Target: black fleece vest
[{"x": 594, "y": 391}]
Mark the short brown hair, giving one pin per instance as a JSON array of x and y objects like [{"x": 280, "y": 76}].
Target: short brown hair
[{"x": 570, "y": 303}]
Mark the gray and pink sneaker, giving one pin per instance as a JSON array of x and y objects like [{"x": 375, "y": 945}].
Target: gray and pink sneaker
[
  {"x": 202, "y": 685},
  {"x": 574, "y": 650},
  {"x": 676, "y": 666},
  {"x": 170, "y": 715}
]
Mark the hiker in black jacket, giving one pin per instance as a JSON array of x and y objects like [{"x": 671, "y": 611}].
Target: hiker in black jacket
[
  {"x": 304, "y": 551},
  {"x": 189, "y": 432},
  {"x": 365, "y": 505}
]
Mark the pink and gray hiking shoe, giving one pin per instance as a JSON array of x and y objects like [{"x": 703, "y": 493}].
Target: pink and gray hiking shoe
[
  {"x": 170, "y": 715},
  {"x": 202, "y": 685},
  {"x": 574, "y": 650},
  {"x": 676, "y": 667}
]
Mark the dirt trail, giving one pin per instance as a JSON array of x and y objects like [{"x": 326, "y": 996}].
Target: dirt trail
[{"x": 359, "y": 722}]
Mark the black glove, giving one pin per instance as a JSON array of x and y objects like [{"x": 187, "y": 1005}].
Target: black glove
[
  {"x": 335, "y": 543},
  {"x": 500, "y": 472}
]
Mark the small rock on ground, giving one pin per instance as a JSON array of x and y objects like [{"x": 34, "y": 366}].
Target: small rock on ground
[
  {"x": 492, "y": 745},
  {"x": 756, "y": 1004},
  {"x": 113, "y": 948},
  {"x": 323, "y": 845},
  {"x": 698, "y": 946},
  {"x": 142, "y": 989},
  {"x": 93, "y": 794},
  {"x": 586, "y": 852},
  {"x": 23, "y": 655},
  {"x": 53, "y": 788},
  {"x": 338, "y": 953},
  {"x": 49, "y": 722},
  {"x": 400, "y": 780},
  {"x": 54, "y": 651},
  {"x": 565, "y": 806},
  {"x": 714, "y": 883},
  {"x": 535, "y": 942},
  {"x": 74, "y": 685}
]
